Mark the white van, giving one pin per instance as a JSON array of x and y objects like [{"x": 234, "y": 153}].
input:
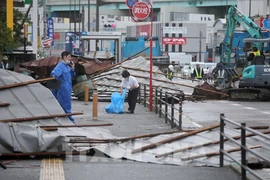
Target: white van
[
  {"x": 189, "y": 68},
  {"x": 209, "y": 67},
  {"x": 193, "y": 65},
  {"x": 186, "y": 70}
]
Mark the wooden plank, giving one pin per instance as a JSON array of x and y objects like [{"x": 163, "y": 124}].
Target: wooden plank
[
  {"x": 216, "y": 153},
  {"x": 25, "y": 83},
  {"x": 44, "y": 154},
  {"x": 154, "y": 145},
  {"x": 80, "y": 125},
  {"x": 90, "y": 140},
  {"x": 4, "y": 104},
  {"x": 40, "y": 117},
  {"x": 204, "y": 144},
  {"x": 50, "y": 129},
  {"x": 255, "y": 127}
]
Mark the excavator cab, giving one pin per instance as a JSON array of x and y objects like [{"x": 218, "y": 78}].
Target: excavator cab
[{"x": 255, "y": 82}]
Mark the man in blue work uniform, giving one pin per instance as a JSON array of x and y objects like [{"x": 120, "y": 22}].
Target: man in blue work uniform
[{"x": 64, "y": 71}]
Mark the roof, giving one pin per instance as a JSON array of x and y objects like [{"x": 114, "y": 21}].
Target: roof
[
  {"x": 28, "y": 101},
  {"x": 222, "y": 21},
  {"x": 139, "y": 67}
]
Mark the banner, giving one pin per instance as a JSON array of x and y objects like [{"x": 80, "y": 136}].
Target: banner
[
  {"x": 174, "y": 40},
  {"x": 47, "y": 43},
  {"x": 50, "y": 29}
]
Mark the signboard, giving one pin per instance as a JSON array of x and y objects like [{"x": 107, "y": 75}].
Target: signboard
[
  {"x": 69, "y": 41},
  {"x": 131, "y": 3},
  {"x": 266, "y": 23},
  {"x": 140, "y": 10},
  {"x": 174, "y": 40},
  {"x": 56, "y": 35},
  {"x": 175, "y": 30},
  {"x": 143, "y": 30},
  {"x": 50, "y": 29},
  {"x": 104, "y": 33},
  {"x": 263, "y": 23},
  {"x": 27, "y": 1}
]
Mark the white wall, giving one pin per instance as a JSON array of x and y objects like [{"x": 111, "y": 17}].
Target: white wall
[{"x": 258, "y": 7}]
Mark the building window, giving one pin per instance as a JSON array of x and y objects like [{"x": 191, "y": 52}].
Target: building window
[{"x": 178, "y": 16}]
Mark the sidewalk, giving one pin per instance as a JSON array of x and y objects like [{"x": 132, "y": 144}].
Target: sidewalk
[
  {"x": 141, "y": 122},
  {"x": 105, "y": 168}
]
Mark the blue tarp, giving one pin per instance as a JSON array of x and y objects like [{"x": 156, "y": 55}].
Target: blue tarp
[{"x": 117, "y": 103}]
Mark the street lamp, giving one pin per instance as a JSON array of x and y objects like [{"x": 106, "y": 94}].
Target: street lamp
[{"x": 200, "y": 48}]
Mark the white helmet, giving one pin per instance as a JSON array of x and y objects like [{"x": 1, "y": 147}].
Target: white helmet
[
  {"x": 171, "y": 67},
  {"x": 5, "y": 58}
]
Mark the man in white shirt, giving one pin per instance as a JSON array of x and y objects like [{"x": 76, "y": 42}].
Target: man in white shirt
[
  {"x": 133, "y": 88},
  {"x": 4, "y": 64}
]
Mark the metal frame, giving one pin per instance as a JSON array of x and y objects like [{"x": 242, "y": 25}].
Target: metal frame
[
  {"x": 116, "y": 36},
  {"x": 243, "y": 146}
]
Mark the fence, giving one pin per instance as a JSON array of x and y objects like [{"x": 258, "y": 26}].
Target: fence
[
  {"x": 244, "y": 148},
  {"x": 164, "y": 104}
]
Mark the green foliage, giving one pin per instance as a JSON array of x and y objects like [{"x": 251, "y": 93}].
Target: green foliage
[{"x": 7, "y": 41}]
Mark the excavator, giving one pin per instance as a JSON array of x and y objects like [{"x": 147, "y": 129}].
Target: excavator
[{"x": 253, "y": 79}]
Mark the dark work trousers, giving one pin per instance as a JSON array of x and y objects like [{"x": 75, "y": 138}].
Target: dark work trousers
[{"x": 132, "y": 98}]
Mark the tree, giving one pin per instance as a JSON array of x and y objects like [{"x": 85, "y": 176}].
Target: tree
[{"x": 8, "y": 40}]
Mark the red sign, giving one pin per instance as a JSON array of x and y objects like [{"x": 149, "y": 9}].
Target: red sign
[
  {"x": 259, "y": 21},
  {"x": 140, "y": 10},
  {"x": 143, "y": 30},
  {"x": 174, "y": 40},
  {"x": 56, "y": 35}
]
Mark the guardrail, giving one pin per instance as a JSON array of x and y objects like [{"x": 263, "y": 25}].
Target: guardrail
[
  {"x": 164, "y": 104},
  {"x": 244, "y": 148}
]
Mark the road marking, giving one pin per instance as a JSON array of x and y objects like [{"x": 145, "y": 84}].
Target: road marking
[
  {"x": 52, "y": 169},
  {"x": 236, "y": 104},
  {"x": 250, "y": 108},
  {"x": 265, "y": 112},
  {"x": 223, "y": 102}
]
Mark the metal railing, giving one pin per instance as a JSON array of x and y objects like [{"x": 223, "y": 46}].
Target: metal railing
[
  {"x": 162, "y": 102},
  {"x": 244, "y": 148}
]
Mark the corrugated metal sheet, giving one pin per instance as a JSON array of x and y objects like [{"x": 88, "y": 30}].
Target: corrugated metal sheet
[
  {"x": 35, "y": 100},
  {"x": 28, "y": 101},
  {"x": 43, "y": 67},
  {"x": 139, "y": 68}
]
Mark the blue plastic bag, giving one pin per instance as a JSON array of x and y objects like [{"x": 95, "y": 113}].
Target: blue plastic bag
[{"x": 117, "y": 103}]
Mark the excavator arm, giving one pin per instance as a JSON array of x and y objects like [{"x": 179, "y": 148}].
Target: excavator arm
[{"x": 235, "y": 16}]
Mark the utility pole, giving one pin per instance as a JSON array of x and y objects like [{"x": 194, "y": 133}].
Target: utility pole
[
  {"x": 249, "y": 8},
  {"x": 35, "y": 25},
  {"x": 200, "y": 48},
  {"x": 9, "y": 14},
  {"x": 88, "y": 24},
  {"x": 82, "y": 30},
  {"x": 80, "y": 17},
  {"x": 44, "y": 19},
  {"x": 97, "y": 21},
  {"x": 69, "y": 15},
  {"x": 75, "y": 19}
]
